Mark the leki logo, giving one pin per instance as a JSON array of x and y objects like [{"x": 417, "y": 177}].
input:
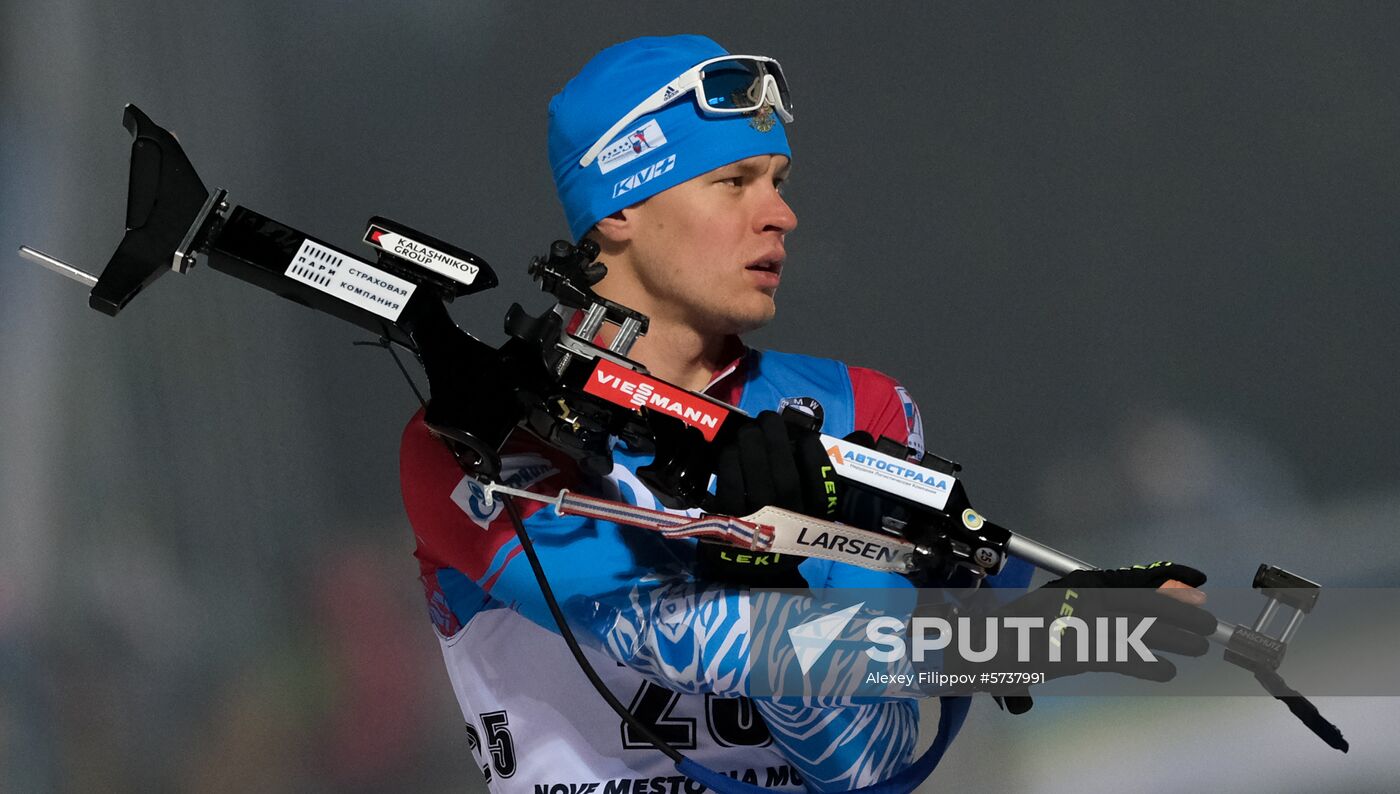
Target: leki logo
[{"x": 621, "y": 386}]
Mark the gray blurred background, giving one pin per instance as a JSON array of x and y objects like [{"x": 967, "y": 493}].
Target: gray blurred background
[{"x": 1136, "y": 261}]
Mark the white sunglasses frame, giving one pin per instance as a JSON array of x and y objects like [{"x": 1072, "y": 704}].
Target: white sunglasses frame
[{"x": 691, "y": 81}]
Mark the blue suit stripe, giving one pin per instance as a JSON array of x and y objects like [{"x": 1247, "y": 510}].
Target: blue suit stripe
[
  {"x": 464, "y": 597},
  {"x": 498, "y": 561}
]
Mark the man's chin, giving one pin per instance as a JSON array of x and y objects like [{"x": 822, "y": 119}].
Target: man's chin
[
  {"x": 737, "y": 322},
  {"x": 752, "y": 322}
]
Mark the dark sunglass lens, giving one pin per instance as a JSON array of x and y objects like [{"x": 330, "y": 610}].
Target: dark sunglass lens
[
  {"x": 777, "y": 72},
  {"x": 727, "y": 84}
]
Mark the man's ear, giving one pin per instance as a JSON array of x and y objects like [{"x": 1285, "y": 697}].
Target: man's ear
[{"x": 616, "y": 228}]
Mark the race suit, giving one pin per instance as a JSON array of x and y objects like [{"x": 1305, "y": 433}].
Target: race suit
[{"x": 533, "y": 721}]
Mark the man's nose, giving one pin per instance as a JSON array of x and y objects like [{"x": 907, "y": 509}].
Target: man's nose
[{"x": 776, "y": 215}]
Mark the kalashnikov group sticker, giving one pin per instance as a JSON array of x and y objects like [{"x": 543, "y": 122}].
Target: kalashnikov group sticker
[
  {"x": 357, "y": 283},
  {"x": 420, "y": 254}
]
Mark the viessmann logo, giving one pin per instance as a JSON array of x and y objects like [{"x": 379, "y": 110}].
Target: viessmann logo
[{"x": 621, "y": 386}]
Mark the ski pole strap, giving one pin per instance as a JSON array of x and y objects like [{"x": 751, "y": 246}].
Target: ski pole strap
[
  {"x": 770, "y": 529},
  {"x": 804, "y": 536},
  {"x": 734, "y": 531}
]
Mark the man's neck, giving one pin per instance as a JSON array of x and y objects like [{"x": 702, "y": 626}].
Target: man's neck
[
  {"x": 679, "y": 354},
  {"x": 675, "y": 348},
  {"x": 684, "y": 356}
]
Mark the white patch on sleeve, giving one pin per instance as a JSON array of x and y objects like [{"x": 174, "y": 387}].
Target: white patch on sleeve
[{"x": 517, "y": 471}]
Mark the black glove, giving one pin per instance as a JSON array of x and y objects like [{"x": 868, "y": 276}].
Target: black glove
[
  {"x": 867, "y": 508},
  {"x": 1127, "y": 592},
  {"x": 767, "y": 463}
]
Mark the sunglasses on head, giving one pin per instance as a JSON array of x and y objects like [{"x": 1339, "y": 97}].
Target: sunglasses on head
[{"x": 723, "y": 85}]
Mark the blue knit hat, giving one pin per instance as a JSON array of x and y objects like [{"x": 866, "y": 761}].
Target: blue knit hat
[{"x": 659, "y": 150}]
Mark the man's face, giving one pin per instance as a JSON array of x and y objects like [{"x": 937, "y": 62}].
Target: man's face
[{"x": 709, "y": 251}]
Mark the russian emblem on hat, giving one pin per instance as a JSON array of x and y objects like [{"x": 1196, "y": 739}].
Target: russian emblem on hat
[{"x": 762, "y": 119}]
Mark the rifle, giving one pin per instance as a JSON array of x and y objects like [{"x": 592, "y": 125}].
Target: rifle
[{"x": 577, "y": 395}]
